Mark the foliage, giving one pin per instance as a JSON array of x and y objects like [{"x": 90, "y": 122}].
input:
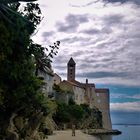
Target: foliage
[
  {"x": 87, "y": 110},
  {"x": 71, "y": 102},
  {"x": 1, "y": 97},
  {"x": 92, "y": 117},
  {"x": 20, "y": 88},
  {"x": 42, "y": 60},
  {"x": 62, "y": 114},
  {"x": 52, "y": 106},
  {"x": 82, "y": 115},
  {"x": 97, "y": 118},
  {"x": 32, "y": 13},
  {"x": 57, "y": 88},
  {"x": 7, "y": 12},
  {"x": 76, "y": 112},
  {"x": 68, "y": 113},
  {"x": 18, "y": 83}
]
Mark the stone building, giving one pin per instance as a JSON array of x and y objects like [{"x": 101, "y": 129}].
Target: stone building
[
  {"x": 87, "y": 93},
  {"x": 102, "y": 101},
  {"x": 83, "y": 93},
  {"x": 56, "y": 79},
  {"x": 48, "y": 79}
]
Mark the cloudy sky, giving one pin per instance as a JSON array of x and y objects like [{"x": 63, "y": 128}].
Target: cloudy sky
[{"x": 103, "y": 37}]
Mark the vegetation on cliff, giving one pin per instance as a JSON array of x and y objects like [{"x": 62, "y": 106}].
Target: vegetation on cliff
[
  {"x": 70, "y": 112},
  {"x": 81, "y": 115}
]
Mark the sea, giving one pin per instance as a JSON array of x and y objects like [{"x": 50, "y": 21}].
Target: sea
[{"x": 129, "y": 132}]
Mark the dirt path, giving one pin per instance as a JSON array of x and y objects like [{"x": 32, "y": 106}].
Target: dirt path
[{"x": 67, "y": 135}]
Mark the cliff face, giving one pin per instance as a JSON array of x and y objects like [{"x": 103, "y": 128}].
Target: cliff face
[
  {"x": 34, "y": 127},
  {"x": 23, "y": 128}
]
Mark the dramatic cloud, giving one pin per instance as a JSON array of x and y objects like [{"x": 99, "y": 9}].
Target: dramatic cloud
[
  {"x": 127, "y": 106},
  {"x": 101, "y": 35},
  {"x": 71, "y": 23},
  {"x": 86, "y": 4},
  {"x": 123, "y": 1},
  {"x": 113, "y": 19},
  {"x": 103, "y": 74},
  {"x": 47, "y": 34},
  {"x": 74, "y": 39}
]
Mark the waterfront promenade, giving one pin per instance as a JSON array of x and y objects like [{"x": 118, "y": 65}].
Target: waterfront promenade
[{"x": 67, "y": 135}]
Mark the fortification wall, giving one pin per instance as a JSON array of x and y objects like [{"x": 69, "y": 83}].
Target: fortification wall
[{"x": 102, "y": 101}]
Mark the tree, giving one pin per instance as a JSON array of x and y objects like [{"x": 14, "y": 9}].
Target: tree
[
  {"x": 62, "y": 114},
  {"x": 16, "y": 62},
  {"x": 6, "y": 11},
  {"x": 76, "y": 112},
  {"x": 68, "y": 113},
  {"x": 42, "y": 59},
  {"x": 9, "y": 12},
  {"x": 20, "y": 89}
]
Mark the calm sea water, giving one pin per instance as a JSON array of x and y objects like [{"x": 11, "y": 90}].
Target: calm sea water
[{"x": 129, "y": 132}]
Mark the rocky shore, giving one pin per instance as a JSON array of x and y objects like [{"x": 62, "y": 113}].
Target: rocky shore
[{"x": 101, "y": 132}]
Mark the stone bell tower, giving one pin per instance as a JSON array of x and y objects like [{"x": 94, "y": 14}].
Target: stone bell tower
[{"x": 71, "y": 70}]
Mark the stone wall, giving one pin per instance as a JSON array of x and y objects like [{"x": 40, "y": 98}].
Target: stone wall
[{"x": 102, "y": 101}]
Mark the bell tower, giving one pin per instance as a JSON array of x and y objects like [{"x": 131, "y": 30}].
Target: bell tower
[{"x": 71, "y": 70}]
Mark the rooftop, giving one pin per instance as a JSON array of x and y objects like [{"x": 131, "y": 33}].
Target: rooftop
[{"x": 71, "y": 61}]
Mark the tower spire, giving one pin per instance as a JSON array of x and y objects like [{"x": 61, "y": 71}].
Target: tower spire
[
  {"x": 71, "y": 61},
  {"x": 71, "y": 70}
]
